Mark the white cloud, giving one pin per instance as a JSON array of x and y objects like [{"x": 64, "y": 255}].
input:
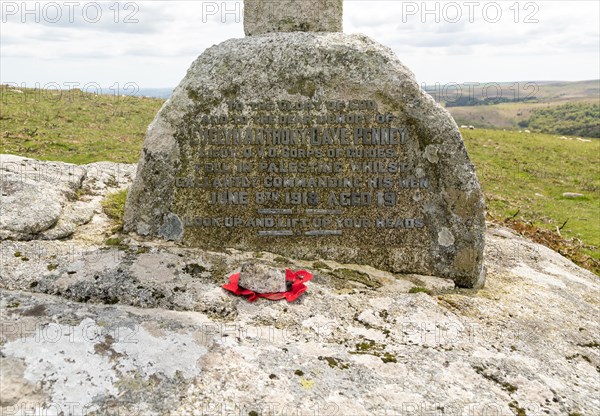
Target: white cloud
[{"x": 157, "y": 50}]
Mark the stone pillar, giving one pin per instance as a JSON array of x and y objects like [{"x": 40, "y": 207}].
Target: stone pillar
[{"x": 265, "y": 16}]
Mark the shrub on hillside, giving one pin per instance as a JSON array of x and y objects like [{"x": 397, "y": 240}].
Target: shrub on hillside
[{"x": 575, "y": 119}]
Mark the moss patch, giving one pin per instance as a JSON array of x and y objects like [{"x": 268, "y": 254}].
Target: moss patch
[
  {"x": 519, "y": 411},
  {"x": 592, "y": 344},
  {"x": 368, "y": 346},
  {"x": 388, "y": 358},
  {"x": 356, "y": 276},
  {"x": 194, "y": 269},
  {"x": 113, "y": 206},
  {"x": 114, "y": 241},
  {"x": 334, "y": 362},
  {"x": 281, "y": 260},
  {"x": 510, "y": 388},
  {"x": 321, "y": 265},
  {"x": 419, "y": 289}
]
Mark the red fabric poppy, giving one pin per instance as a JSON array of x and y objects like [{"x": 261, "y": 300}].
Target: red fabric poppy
[{"x": 298, "y": 287}]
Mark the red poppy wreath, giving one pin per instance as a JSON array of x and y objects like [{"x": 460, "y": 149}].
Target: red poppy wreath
[{"x": 295, "y": 281}]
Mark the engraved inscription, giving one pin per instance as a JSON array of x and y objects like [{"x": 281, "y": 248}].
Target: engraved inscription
[{"x": 307, "y": 168}]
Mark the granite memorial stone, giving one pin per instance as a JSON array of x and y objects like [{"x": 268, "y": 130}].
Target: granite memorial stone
[{"x": 312, "y": 145}]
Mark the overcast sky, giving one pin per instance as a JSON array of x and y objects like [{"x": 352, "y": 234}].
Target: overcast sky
[{"x": 152, "y": 43}]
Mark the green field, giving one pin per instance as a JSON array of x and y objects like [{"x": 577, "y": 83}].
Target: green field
[
  {"x": 528, "y": 173},
  {"x": 72, "y": 126},
  {"x": 519, "y": 172}
]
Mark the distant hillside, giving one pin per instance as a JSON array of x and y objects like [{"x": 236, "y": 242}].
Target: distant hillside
[
  {"x": 473, "y": 94},
  {"x": 512, "y": 105}
]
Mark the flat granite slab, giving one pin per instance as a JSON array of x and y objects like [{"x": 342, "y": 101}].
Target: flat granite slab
[{"x": 528, "y": 342}]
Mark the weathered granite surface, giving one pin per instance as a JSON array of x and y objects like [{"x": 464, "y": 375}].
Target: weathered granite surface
[
  {"x": 48, "y": 200},
  {"x": 265, "y": 16},
  {"x": 445, "y": 240},
  {"x": 146, "y": 330}
]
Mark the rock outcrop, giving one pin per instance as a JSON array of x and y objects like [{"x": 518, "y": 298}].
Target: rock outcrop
[{"x": 48, "y": 200}]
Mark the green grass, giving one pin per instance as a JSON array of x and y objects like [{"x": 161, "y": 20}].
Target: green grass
[
  {"x": 72, "y": 126},
  {"x": 513, "y": 167}
]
